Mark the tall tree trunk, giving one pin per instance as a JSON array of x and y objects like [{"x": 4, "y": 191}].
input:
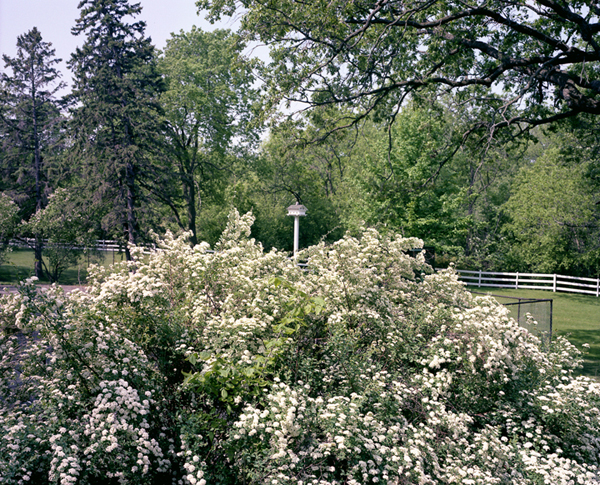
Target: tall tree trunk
[
  {"x": 39, "y": 243},
  {"x": 191, "y": 210},
  {"x": 131, "y": 219},
  {"x": 37, "y": 256}
]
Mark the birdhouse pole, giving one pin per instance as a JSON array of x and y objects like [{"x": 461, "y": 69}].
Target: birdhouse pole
[{"x": 296, "y": 210}]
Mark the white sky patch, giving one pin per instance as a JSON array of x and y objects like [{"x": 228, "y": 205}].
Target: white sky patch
[{"x": 55, "y": 18}]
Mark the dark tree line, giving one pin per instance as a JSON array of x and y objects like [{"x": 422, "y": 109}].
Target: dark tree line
[{"x": 115, "y": 114}]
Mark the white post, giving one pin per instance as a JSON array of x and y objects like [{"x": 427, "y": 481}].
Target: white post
[
  {"x": 517, "y": 281},
  {"x": 296, "y": 234},
  {"x": 479, "y": 283},
  {"x": 296, "y": 210},
  {"x": 554, "y": 284},
  {"x": 598, "y": 287}
]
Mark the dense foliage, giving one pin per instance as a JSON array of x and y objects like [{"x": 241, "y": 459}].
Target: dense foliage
[
  {"x": 8, "y": 223},
  {"x": 521, "y": 61},
  {"x": 236, "y": 366},
  {"x": 208, "y": 103}
]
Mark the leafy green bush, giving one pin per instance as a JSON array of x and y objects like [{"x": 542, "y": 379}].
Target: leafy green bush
[
  {"x": 237, "y": 367},
  {"x": 8, "y": 223}
]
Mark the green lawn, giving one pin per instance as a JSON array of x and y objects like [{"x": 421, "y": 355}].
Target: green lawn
[
  {"x": 576, "y": 316},
  {"x": 19, "y": 265}
]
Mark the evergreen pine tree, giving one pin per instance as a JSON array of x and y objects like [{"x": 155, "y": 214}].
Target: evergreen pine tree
[
  {"x": 29, "y": 126},
  {"x": 116, "y": 116}
]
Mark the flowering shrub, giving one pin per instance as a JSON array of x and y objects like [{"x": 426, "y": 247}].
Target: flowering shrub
[{"x": 194, "y": 367}]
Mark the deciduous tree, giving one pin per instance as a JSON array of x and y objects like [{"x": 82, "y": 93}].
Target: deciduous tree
[
  {"x": 208, "y": 106},
  {"x": 8, "y": 223},
  {"x": 553, "y": 217},
  {"x": 68, "y": 228},
  {"x": 526, "y": 61},
  {"x": 319, "y": 174}
]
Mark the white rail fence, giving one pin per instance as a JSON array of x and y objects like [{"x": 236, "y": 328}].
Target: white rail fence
[
  {"x": 480, "y": 279},
  {"x": 531, "y": 281},
  {"x": 100, "y": 244}
]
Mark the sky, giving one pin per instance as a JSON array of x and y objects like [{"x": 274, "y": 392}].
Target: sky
[{"x": 55, "y": 18}]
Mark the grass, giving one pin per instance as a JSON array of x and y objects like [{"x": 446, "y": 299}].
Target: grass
[
  {"x": 19, "y": 266},
  {"x": 575, "y": 316}
]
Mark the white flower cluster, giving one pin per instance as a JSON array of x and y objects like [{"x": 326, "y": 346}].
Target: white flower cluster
[
  {"x": 301, "y": 437},
  {"x": 120, "y": 415},
  {"x": 76, "y": 396},
  {"x": 193, "y": 367}
]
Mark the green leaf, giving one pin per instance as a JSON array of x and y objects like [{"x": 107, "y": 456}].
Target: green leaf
[
  {"x": 319, "y": 304},
  {"x": 269, "y": 344}
]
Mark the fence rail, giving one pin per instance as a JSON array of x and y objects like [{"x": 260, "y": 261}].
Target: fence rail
[
  {"x": 100, "y": 244},
  {"x": 480, "y": 279},
  {"x": 531, "y": 281}
]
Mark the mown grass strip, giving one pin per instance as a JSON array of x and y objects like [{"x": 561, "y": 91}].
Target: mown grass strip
[
  {"x": 19, "y": 266},
  {"x": 575, "y": 316}
]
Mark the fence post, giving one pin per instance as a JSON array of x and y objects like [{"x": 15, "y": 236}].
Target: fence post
[
  {"x": 479, "y": 283},
  {"x": 597, "y": 287},
  {"x": 554, "y": 284},
  {"x": 517, "y": 281}
]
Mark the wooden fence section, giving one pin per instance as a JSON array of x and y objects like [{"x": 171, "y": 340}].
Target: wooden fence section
[
  {"x": 100, "y": 244},
  {"x": 531, "y": 281}
]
